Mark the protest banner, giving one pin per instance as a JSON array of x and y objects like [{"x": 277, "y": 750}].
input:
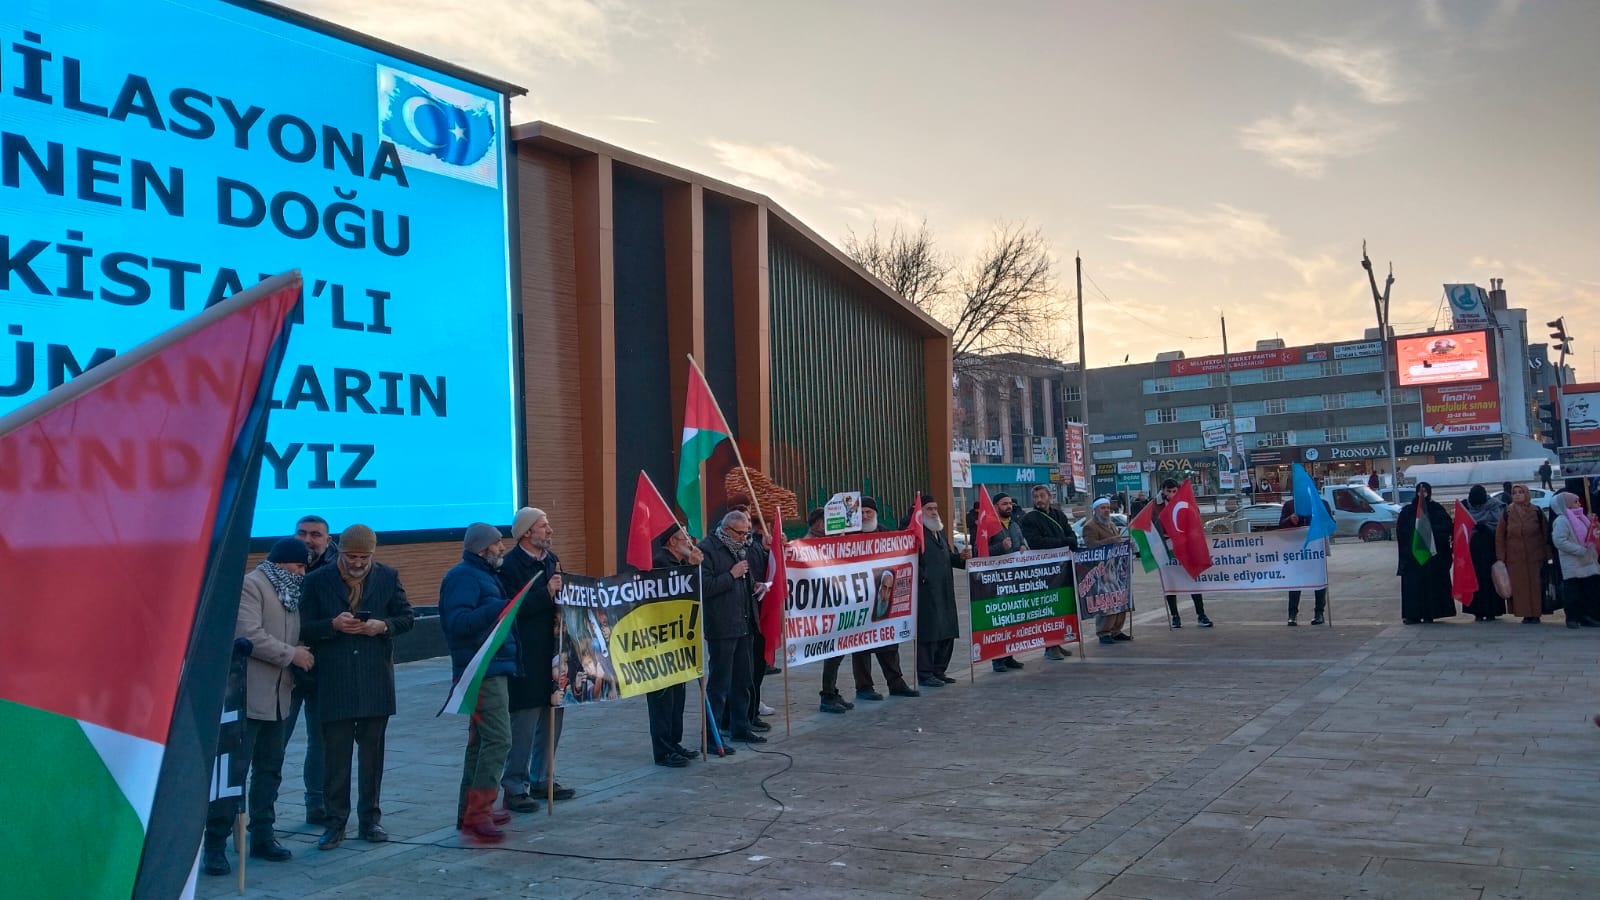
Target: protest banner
[
  {"x": 1021, "y": 601},
  {"x": 625, "y": 635},
  {"x": 1103, "y": 579},
  {"x": 842, "y": 513},
  {"x": 848, "y": 593},
  {"x": 1263, "y": 561}
]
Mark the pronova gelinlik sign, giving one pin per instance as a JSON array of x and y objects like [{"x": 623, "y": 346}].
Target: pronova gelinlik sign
[{"x": 159, "y": 156}]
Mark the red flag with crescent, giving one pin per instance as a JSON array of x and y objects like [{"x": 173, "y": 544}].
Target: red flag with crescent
[
  {"x": 1463, "y": 577},
  {"x": 1180, "y": 519}
]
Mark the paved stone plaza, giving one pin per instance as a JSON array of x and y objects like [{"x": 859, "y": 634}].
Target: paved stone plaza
[{"x": 1251, "y": 760}]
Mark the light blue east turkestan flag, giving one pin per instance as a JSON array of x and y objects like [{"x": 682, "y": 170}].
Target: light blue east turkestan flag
[{"x": 1308, "y": 505}]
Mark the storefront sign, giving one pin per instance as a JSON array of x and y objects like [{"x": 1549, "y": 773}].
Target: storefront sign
[
  {"x": 1044, "y": 450},
  {"x": 1353, "y": 351},
  {"x": 1075, "y": 462},
  {"x": 1259, "y": 359},
  {"x": 1127, "y": 468},
  {"x": 1456, "y": 449},
  {"x": 1461, "y": 409},
  {"x": 992, "y": 473},
  {"x": 1113, "y": 437},
  {"x": 1113, "y": 454}
]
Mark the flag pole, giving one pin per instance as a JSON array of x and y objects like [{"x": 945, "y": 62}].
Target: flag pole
[
  {"x": 550, "y": 751},
  {"x": 738, "y": 457},
  {"x": 703, "y": 708},
  {"x": 238, "y": 844}
]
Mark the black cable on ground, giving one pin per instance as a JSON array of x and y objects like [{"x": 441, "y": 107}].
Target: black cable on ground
[{"x": 782, "y": 808}]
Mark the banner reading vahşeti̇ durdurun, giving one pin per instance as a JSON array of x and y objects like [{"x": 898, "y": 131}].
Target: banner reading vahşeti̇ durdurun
[
  {"x": 626, "y": 635},
  {"x": 848, "y": 593}
]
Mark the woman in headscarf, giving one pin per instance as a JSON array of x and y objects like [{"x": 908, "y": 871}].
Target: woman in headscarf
[
  {"x": 1486, "y": 512},
  {"x": 1572, "y": 533},
  {"x": 1423, "y": 536},
  {"x": 1522, "y": 544}
]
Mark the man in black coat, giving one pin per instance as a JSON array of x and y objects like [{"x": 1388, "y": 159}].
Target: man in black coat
[
  {"x": 671, "y": 548},
  {"x": 311, "y": 530},
  {"x": 728, "y": 613},
  {"x": 938, "y": 624},
  {"x": 350, "y": 613},
  {"x": 1046, "y": 527},
  {"x": 535, "y": 724}
]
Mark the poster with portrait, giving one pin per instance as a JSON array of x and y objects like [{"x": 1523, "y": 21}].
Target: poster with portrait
[
  {"x": 1104, "y": 578},
  {"x": 626, "y": 635},
  {"x": 848, "y": 593}
]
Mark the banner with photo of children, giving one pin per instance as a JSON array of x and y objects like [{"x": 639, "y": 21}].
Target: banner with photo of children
[
  {"x": 1105, "y": 578},
  {"x": 626, "y": 635}
]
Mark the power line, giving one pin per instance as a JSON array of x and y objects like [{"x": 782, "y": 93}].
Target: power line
[{"x": 1124, "y": 311}]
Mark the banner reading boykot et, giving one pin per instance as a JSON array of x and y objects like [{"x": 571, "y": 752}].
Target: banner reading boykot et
[
  {"x": 1021, "y": 601},
  {"x": 625, "y": 635},
  {"x": 1104, "y": 580},
  {"x": 849, "y": 593},
  {"x": 1264, "y": 561}
]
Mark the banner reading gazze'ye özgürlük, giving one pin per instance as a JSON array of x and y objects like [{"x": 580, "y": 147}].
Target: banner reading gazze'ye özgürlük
[{"x": 625, "y": 635}]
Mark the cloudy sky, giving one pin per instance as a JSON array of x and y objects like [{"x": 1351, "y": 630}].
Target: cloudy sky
[{"x": 1225, "y": 156}]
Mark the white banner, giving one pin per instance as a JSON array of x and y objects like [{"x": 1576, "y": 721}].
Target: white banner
[
  {"x": 848, "y": 593},
  {"x": 1262, "y": 561}
]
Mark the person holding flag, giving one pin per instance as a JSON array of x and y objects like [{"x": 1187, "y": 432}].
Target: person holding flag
[
  {"x": 1169, "y": 513},
  {"x": 938, "y": 625},
  {"x": 1422, "y": 536},
  {"x": 673, "y": 548},
  {"x": 535, "y": 723},
  {"x": 1319, "y": 518}
]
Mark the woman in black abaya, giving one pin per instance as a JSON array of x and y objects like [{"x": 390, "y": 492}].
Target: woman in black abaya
[
  {"x": 1487, "y": 604},
  {"x": 1424, "y": 583}
]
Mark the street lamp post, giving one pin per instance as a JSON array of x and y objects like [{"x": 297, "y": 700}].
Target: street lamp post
[{"x": 1380, "y": 304}]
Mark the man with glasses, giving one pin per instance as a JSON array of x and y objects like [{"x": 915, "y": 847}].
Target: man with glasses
[
  {"x": 728, "y": 614},
  {"x": 1169, "y": 489}
]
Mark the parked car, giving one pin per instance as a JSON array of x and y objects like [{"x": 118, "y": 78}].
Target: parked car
[{"x": 1358, "y": 511}]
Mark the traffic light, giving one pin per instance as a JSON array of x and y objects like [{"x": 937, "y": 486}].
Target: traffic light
[{"x": 1558, "y": 335}]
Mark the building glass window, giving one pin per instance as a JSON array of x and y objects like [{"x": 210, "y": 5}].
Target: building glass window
[
  {"x": 1330, "y": 368},
  {"x": 1275, "y": 373},
  {"x": 1218, "y": 411},
  {"x": 1166, "y": 445},
  {"x": 1073, "y": 393},
  {"x": 1276, "y": 406},
  {"x": 1336, "y": 435},
  {"x": 1271, "y": 439},
  {"x": 1166, "y": 415},
  {"x": 1217, "y": 379},
  {"x": 1333, "y": 401},
  {"x": 1360, "y": 365}
]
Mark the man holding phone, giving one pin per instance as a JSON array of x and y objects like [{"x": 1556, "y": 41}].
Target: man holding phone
[{"x": 350, "y": 614}]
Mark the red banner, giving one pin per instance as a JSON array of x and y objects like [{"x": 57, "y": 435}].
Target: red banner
[
  {"x": 1461, "y": 409},
  {"x": 1256, "y": 359},
  {"x": 1076, "y": 466}
]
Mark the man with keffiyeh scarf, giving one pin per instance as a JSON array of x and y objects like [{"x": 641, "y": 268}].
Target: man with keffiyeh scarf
[{"x": 269, "y": 618}]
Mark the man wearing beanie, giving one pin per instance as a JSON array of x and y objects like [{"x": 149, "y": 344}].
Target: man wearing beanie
[
  {"x": 470, "y": 603},
  {"x": 671, "y": 548},
  {"x": 350, "y": 615},
  {"x": 1046, "y": 527},
  {"x": 269, "y": 618},
  {"x": 1008, "y": 539},
  {"x": 535, "y": 724}
]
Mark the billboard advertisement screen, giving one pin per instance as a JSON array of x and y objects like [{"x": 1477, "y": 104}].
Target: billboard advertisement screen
[
  {"x": 1461, "y": 409},
  {"x": 1580, "y": 412},
  {"x": 1443, "y": 358},
  {"x": 161, "y": 155}
]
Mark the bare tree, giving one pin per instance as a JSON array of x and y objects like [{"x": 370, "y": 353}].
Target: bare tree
[
  {"x": 1001, "y": 302},
  {"x": 905, "y": 260}
]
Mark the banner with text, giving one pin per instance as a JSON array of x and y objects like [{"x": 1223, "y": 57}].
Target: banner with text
[
  {"x": 1104, "y": 578},
  {"x": 625, "y": 635},
  {"x": 1461, "y": 408},
  {"x": 848, "y": 593},
  {"x": 1021, "y": 601},
  {"x": 1264, "y": 561}
]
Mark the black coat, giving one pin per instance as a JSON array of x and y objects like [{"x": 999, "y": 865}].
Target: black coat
[
  {"x": 937, "y": 619},
  {"x": 1048, "y": 529},
  {"x": 1425, "y": 587},
  {"x": 354, "y": 672},
  {"x": 536, "y": 625},
  {"x": 727, "y": 607}
]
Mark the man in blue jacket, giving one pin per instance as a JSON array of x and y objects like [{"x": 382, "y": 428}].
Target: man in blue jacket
[{"x": 470, "y": 602}]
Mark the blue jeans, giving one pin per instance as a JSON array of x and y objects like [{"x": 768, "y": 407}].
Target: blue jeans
[
  {"x": 530, "y": 757},
  {"x": 311, "y": 773}
]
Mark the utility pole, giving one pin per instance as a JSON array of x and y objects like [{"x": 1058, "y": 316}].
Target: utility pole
[
  {"x": 1083, "y": 359},
  {"x": 1232, "y": 421},
  {"x": 1380, "y": 303},
  {"x": 1562, "y": 342}
]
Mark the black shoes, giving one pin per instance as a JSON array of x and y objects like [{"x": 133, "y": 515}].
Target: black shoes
[
  {"x": 686, "y": 753},
  {"x": 832, "y": 705},
  {"x": 1202, "y": 621},
  {"x": 331, "y": 838},
  {"x": 946, "y": 678},
  {"x": 1122, "y": 636},
  {"x": 1176, "y": 622},
  {"x": 758, "y": 725},
  {"x": 270, "y": 850},
  {"x": 215, "y": 861},
  {"x": 373, "y": 834},
  {"x": 673, "y": 761},
  {"x": 868, "y": 694},
  {"x": 1011, "y": 663},
  {"x": 933, "y": 681},
  {"x": 773, "y": 670},
  {"x": 522, "y": 803},
  {"x": 561, "y": 793},
  {"x": 906, "y": 690},
  {"x": 1530, "y": 620},
  {"x": 1316, "y": 619},
  {"x": 999, "y": 665},
  {"x": 1293, "y": 623},
  {"x": 750, "y": 737}
]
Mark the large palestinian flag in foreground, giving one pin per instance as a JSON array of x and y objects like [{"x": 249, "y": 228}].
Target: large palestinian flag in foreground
[{"x": 125, "y": 505}]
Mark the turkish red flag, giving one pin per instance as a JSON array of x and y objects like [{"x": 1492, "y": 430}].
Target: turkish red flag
[
  {"x": 1180, "y": 519},
  {"x": 988, "y": 523},
  {"x": 651, "y": 517},
  {"x": 777, "y": 596},
  {"x": 915, "y": 523},
  {"x": 1463, "y": 577}
]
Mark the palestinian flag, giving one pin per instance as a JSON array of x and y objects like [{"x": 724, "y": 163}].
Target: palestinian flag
[
  {"x": 463, "y": 699},
  {"x": 128, "y": 495},
  {"x": 1143, "y": 531},
  {"x": 1423, "y": 546},
  {"x": 703, "y": 429}
]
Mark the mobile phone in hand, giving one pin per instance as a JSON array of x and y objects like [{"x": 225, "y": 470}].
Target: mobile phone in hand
[{"x": 364, "y": 616}]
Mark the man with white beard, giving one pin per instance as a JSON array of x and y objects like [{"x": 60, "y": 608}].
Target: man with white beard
[
  {"x": 938, "y": 625},
  {"x": 889, "y": 655}
]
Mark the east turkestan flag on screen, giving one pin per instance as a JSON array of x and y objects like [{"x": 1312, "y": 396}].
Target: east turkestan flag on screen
[
  {"x": 703, "y": 429},
  {"x": 127, "y": 496}
]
